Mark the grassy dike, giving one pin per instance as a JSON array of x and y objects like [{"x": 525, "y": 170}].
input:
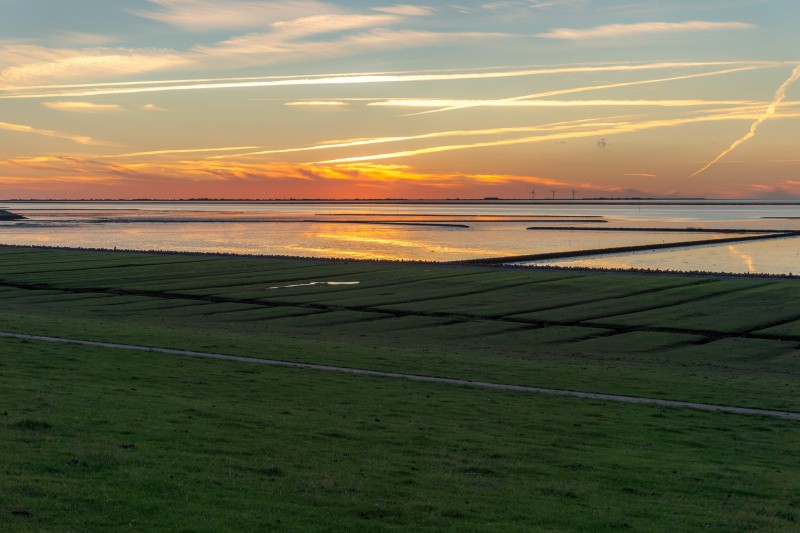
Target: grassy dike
[{"x": 96, "y": 438}]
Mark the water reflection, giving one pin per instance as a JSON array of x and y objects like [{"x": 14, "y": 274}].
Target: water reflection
[
  {"x": 781, "y": 256},
  {"x": 314, "y": 283},
  {"x": 748, "y": 261},
  {"x": 81, "y": 225}
]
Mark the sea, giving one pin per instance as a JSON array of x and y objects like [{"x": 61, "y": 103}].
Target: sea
[{"x": 437, "y": 231}]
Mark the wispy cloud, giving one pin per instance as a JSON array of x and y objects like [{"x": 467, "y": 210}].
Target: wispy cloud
[
  {"x": 23, "y": 128},
  {"x": 407, "y": 10},
  {"x": 781, "y": 189},
  {"x": 85, "y": 39},
  {"x": 329, "y": 23},
  {"x": 319, "y": 104},
  {"x": 289, "y": 31},
  {"x": 83, "y": 107},
  {"x": 284, "y": 41},
  {"x": 226, "y": 179},
  {"x": 527, "y": 4},
  {"x": 780, "y": 94},
  {"x": 202, "y": 15},
  {"x": 27, "y": 64},
  {"x": 611, "y": 31},
  {"x": 176, "y": 151},
  {"x": 284, "y": 46}
]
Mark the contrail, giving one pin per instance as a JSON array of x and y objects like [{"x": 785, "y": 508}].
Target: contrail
[
  {"x": 453, "y": 133},
  {"x": 584, "y": 89},
  {"x": 604, "y": 130},
  {"x": 346, "y": 79},
  {"x": 780, "y": 94},
  {"x": 23, "y": 128},
  {"x": 560, "y": 103},
  {"x": 182, "y": 151}
]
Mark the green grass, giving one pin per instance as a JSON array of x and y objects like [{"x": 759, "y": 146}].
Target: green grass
[
  {"x": 444, "y": 321},
  {"x": 538, "y": 294},
  {"x": 738, "y": 312},
  {"x": 95, "y": 439},
  {"x": 621, "y": 304},
  {"x": 99, "y": 439}
]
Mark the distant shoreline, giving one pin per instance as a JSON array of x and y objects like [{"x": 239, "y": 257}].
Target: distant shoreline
[{"x": 521, "y": 202}]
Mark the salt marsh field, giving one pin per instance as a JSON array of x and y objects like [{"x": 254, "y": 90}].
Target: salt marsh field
[
  {"x": 433, "y": 231},
  {"x": 398, "y": 397}
]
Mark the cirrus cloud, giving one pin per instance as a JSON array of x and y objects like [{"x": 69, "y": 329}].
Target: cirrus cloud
[
  {"x": 204, "y": 15},
  {"x": 610, "y": 31},
  {"x": 406, "y": 10},
  {"x": 24, "y": 128},
  {"x": 83, "y": 107}
]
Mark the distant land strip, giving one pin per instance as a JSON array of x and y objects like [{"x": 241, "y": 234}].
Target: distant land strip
[
  {"x": 533, "y": 215},
  {"x": 643, "y": 202},
  {"x": 620, "y": 249},
  {"x": 149, "y": 220},
  {"x": 660, "y": 230},
  {"x": 785, "y": 415}
]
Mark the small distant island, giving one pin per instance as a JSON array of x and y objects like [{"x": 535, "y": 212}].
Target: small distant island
[{"x": 8, "y": 215}]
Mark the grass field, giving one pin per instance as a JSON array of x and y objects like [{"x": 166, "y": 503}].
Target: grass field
[{"x": 96, "y": 438}]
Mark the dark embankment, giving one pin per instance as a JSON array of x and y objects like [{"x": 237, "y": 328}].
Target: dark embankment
[
  {"x": 658, "y": 230},
  {"x": 150, "y": 220},
  {"x": 8, "y": 215},
  {"x": 621, "y": 249},
  {"x": 427, "y": 215}
]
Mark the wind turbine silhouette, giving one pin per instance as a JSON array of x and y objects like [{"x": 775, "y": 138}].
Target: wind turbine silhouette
[
  {"x": 573, "y": 194},
  {"x": 554, "y": 193}
]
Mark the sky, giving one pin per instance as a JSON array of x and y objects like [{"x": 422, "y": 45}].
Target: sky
[{"x": 370, "y": 99}]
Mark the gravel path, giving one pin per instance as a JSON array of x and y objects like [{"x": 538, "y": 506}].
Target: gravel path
[{"x": 786, "y": 415}]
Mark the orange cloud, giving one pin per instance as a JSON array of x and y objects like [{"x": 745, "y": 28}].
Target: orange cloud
[
  {"x": 611, "y": 31},
  {"x": 24, "y": 128},
  {"x": 77, "y": 177}
]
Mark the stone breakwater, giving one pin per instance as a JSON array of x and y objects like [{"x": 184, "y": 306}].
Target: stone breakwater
[{"x": 7, "y": 215}]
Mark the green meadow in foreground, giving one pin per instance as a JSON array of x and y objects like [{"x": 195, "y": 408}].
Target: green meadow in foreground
[{"x": 97, "y": 438}]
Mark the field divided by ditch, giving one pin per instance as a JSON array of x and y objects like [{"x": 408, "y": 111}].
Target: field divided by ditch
[{"x": 731, "y": 341}]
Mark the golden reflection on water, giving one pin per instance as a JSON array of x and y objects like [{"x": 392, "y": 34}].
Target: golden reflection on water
[
  {"x": 781, "y": 256},
  {"x": 368, "y": 239},
  {"x": 408, "y": 242},
  {"x": 748, "y": 260},
  {"x": 594, "y": 262},
  {"x": 388, "y": 242},
  {"x": 337, "y": 252}
]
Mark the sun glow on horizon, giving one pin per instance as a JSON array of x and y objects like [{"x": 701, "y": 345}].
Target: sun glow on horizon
[{"x": 297, "y": 106}]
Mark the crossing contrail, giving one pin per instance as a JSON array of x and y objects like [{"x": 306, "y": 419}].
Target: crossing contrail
[
  {"x": 572, "y": 90},
  {"x": 341, "y": 79},
  {"x": 780, "y": 94}
]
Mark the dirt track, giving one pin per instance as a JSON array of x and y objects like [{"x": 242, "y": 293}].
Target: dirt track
[{"x": 786, "y": 415}]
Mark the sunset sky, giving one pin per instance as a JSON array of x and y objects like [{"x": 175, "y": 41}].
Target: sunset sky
[{"x": 367, "y": 99}]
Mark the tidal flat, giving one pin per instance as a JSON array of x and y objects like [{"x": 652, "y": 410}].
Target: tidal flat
[{"x": 98, "y": 438}]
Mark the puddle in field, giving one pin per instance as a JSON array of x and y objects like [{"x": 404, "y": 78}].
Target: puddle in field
[{"x": 315, "y": 283}]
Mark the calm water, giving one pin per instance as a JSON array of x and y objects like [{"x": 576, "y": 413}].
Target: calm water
[
  {"x": 493, "y": 230},
  {"x": 768, "y": 257}
]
